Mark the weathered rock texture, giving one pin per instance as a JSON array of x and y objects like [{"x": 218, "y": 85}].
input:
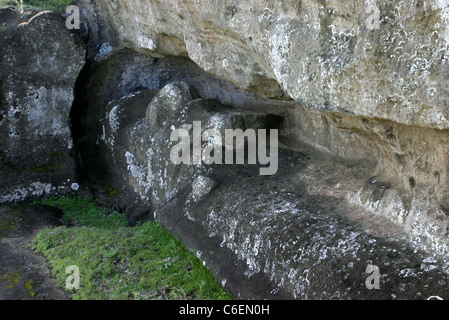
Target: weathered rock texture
[
  {"x": 293, "y": 235},
  {"x": 40, "y": 62},
  {"x": 320, "y": 53},
  {"x": 255, "y": 231},
  {"x": 361, "y": 89},
  {"x": 126, "y": 108},
  {"x": 362, "y": 110}
]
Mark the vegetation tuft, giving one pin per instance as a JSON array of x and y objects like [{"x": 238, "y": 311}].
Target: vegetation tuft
[
  {"x": 53, "y": 5},
  {"x": 118, "y": 262}
]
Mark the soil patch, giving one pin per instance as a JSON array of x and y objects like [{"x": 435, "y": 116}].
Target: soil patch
[{"x": 23, "y": 274}]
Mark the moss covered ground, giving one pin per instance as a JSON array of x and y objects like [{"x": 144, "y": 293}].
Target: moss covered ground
[{"x": 119, "y": 262}]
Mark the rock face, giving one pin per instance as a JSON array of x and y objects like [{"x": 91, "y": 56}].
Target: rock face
[
  {"x": 118, "y": 100},
  {"x": 360, "y": 87},
  {"x": 124, "y": 137},
  {"x": 366, "y": 82},
  {"x": 295, "y": 235},
  {"x": 327, "y": 55},
  {"x": 276, "y": 235},
  {"x": 37, "y": 79},
  {"x": 356, "y": 90}
]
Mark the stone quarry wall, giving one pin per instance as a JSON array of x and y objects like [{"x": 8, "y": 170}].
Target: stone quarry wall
[
  {"x": 361, "y": 88},
  {"x": 40, "y": 61},
  {"x": 362, "y": 80},
  {"x": 357, "y": 90},
  {"x": 294, "y": 235},
  {"x": 324, "y": 54}
]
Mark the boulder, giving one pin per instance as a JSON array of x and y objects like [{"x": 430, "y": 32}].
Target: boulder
[
  {"x": 40, "y": 63},
  {"x": 125, "y": 110}
]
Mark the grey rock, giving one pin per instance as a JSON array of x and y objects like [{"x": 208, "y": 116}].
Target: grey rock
[
  {"x": 291, "y": 240},
  {"x": 371, "y": 93},
  {"x": 150, "y": 170},
  {"x": 27, "y": 220},
  {"x": 202, "y": 186},
  {"x": 328, "y": 56},
  {"x": 40, "y": 62},
  {"x": 300, "y": 234},
  {"x": 167, "y": 102},
  {"x": 124, "y": 126},
  {"x": 366, "y": 120}
]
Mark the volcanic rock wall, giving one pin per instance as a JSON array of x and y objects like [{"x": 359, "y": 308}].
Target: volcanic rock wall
[
  {"x": 356, "y": 89},
  {"x": 40, "y": 62},
  {"x": 362, "y": 80}
]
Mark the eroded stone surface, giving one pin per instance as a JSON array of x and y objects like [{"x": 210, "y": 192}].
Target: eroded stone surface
[
  {"x": 202, "y": 186},
  {"x": 326, "y": 55},
  {"x": 293, "y": 235},
  {"x": 137, "y": 155},
  {"x": 307, "y": 244},
  {"x": 345, "y": 186},
  {"x": 366, "y": 92},
  {"x": 40, "y": 62}
]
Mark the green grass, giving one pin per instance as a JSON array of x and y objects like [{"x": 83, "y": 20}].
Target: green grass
[
  {"x": 53, "y": 5},
  {"x": 118, "y": 262}
]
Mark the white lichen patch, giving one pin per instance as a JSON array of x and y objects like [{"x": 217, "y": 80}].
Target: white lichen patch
[
  {"x": 104, "y": 52},
  {"x": 138, "y": 173},
  {"x": 35, "y": 189},
  {"x": 113, "y": 119},
  {"x": 114, "y": 125}
]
